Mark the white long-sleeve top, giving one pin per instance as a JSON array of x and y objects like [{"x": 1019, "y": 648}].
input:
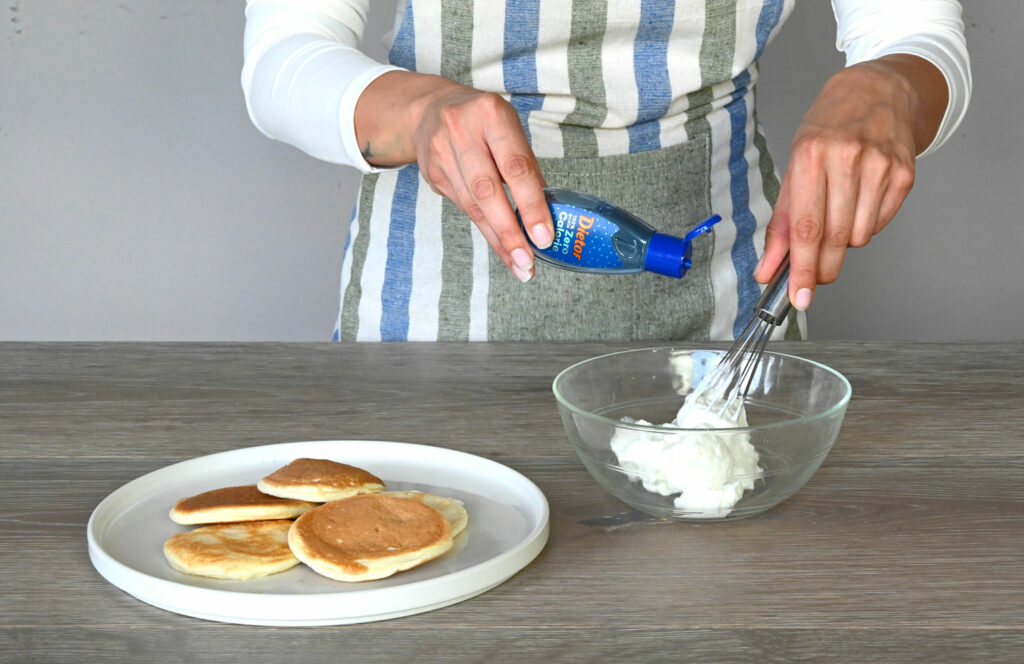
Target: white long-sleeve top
[{"x": 303, "y": 71}]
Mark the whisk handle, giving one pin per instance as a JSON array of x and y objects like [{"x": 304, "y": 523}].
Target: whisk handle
[{"x": 774, "y": 304}]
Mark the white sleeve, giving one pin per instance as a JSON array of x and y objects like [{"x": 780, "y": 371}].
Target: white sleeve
[
  {"x": 930, "y": 29},
  {"x": 303, "y": 74}
]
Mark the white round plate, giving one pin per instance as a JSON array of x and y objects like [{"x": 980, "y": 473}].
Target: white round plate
[{"x": 508, "y": 527}]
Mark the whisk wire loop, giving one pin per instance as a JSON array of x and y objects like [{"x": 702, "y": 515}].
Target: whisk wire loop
[{"x": 726, "y": 387}]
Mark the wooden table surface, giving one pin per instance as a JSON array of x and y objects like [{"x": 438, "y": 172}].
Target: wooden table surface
[{"x": 906, "y": 546}]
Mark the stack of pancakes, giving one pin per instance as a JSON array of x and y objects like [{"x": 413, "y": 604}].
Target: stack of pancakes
[{"x": 347, "y": 527}]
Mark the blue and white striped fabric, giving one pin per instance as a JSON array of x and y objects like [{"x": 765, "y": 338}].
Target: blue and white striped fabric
[{"x": 591, "y": 79}]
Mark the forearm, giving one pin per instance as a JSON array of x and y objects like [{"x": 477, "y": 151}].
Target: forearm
[
  {"x": 922, "y": 88},
  {"x": 303, "y": 74},
  {"x": 391, "y": 109},
  {"x": 931, "y": 30}
]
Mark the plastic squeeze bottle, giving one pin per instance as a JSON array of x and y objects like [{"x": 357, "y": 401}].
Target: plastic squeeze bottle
[{"x": 592, "y": 235}]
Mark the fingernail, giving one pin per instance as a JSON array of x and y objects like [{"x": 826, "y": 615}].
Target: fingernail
[
  {"x": 521, "y": 274},
  {"x": 757, "y": 268},
  {"x": 542, "y": 236},
  {"x": 803, "y": 299},
  {"x": 522, "y": 258}
]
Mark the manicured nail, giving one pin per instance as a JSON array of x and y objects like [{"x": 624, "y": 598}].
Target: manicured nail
[
  {"x": 542, "y": 236},
  {"x": 757, "y": 268},
  {"x": 521, "y": 274},
  {"x": 522, "y": 258},
  {"x": 803, "y": 299}
]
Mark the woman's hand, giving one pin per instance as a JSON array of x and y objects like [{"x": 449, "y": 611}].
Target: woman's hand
[
  {"x": 851, "y": 167},
  {"x": 468, "y": 144}
]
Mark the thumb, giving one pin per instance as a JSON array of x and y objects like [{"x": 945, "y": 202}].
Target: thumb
[{"x": 776, "y": 243}]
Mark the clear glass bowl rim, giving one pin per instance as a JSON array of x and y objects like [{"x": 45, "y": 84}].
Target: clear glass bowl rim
[{"x": 839, "y": 405}]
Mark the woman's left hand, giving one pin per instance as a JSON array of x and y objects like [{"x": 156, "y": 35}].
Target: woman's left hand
[{"x": 852, "y": 165}]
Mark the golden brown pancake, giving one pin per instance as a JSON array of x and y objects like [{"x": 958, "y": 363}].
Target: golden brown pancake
[
  {"x": 451, "y": 509},
  {"x": 319, "y": 480},
  {"x": 370, "y": 536},
  {"x": 236, "y": 503},
  {"x": 236, "y": 551}
]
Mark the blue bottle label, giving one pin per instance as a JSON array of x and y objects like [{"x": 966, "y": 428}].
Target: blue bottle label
[{"x": 582, "y": 238}]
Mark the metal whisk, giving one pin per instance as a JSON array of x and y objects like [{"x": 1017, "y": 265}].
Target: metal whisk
[{"x": 724, "y": 389}]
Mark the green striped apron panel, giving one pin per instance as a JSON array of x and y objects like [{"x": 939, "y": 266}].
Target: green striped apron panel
[{"x": 669, "y": 189}]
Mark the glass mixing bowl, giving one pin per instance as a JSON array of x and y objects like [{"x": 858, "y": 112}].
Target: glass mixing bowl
[{"x": 794, "y": 409}]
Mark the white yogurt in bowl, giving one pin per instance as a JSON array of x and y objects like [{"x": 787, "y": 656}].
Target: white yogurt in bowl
[{"x": 710, "y": 472}]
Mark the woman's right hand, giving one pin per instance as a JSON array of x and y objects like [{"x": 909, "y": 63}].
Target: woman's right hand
[{"x": 468, "y": 143}]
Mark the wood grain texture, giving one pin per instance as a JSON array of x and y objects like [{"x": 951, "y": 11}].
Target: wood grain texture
[{"x": 907, "y": 545}]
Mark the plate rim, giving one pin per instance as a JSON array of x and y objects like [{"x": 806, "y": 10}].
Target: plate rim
[{"x": 307, "y": 610}]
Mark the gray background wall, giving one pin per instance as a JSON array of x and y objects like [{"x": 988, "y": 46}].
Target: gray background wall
[{"x": 138, "y": 202}]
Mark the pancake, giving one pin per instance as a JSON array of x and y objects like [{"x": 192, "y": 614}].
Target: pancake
[
  {"x": 370, "y": 536},
  {"x": 319, "y": 480},
  {"x": 235, "y": 551},
  {"x": 236, "y": 503},
  {"x": 451, "y": 509}
]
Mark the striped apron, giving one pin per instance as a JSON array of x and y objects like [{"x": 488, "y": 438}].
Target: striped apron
[{"x": 648, "y": 104}]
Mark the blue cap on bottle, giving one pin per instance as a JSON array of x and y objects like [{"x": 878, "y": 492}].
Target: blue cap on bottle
[
  {"x": 669, "y": 255},
  {"x": 665, "y": 255}
]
